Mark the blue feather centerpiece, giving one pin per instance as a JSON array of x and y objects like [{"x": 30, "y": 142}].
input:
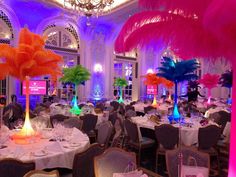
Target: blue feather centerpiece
[
  {"x": 177, "y": 71},
  {"x": 226, "y": 80}
]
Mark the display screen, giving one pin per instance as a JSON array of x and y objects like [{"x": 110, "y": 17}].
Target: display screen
[
  {"x": 36, "y": 87},
  {"x": 152, "y": 90}
]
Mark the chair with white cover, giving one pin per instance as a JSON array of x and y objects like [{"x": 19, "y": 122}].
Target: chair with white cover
[
  {"x": 113, "y": 160},
  {"x": 41, "y": 173},
  {"x": 172, "y": 159},
  {"x": 104, "y": 133}
]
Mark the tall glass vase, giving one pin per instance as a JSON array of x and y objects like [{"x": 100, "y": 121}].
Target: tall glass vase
[
  {"x": 27, "y": 129},
  {"x": 154, "y": 103},
  {"x": 176, "y": 114},
  {"x": 27, "y": 133},
  {"x": 229, "y": 100},
  {"x": 121, "y": 97},
  {"x": 75, "y": 109},
  {"x": 209, "y": 96}
]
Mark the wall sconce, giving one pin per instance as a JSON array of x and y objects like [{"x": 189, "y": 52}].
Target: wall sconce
[
  {"x": 98, "y": 68},
  {"x": 150, "y": 71}
]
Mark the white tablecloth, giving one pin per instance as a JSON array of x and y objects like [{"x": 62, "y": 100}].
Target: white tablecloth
[
  {"x": 213, "y": 110},
  {"x": 189, "y": 134},
  {"x": 57, "y": 154},
  {"x": 162, "y": 108},
  {"x": 140, "y": 107}
]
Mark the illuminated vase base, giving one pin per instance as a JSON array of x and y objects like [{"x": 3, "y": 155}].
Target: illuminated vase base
[
  {"x": 173, "y": 119},
  {"x": 121, "y": 100},
  {"x": 229, "y": 101},
  {"x": 75, "y": 110},
  {"x": 21, "y": 138},
  {"x": 154, "y": 103}
]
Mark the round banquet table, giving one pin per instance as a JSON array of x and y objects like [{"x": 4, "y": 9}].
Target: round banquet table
[
  {"x": 46, "y": 153},
  {"x": 189, "y": 134}
]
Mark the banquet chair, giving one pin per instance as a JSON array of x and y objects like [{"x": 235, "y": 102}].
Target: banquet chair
[
  {"x": 113, "y": 160},
  {"x": 89, "y": 124},
  {"x": 148, "y": 108},
  {"x": 104, "y": 133},
  {"x": 115, "y": 105},
  {"x": 168, "y": 137},
  {"x": 133, "y": 103},
  {"x": 58, "y": 118},
  {"x": 113, "y": 117},
  {"x": 130, "y": 113},
  {"x": 100, "y": 106},
  {"x": 6, "y": 120},
  {"x": 134, "y": 140},
  {"x": 129, "y": 107},
  {"x": 15, "y": 168},
  {"x": 83, "y": 162},
  {"x": 138, "y": 113},
  {"x": 121, "y": 110},
  {"x": 98, "y": 110},
  {"x": 73, "y": 122},
  {"x": 81, "y": 105},
  {"x": 172, "y": 159},
  {"x": 224, "y": 117},
  {"x": 207, "y": 139},
  {"x": 41, "y": 173}
]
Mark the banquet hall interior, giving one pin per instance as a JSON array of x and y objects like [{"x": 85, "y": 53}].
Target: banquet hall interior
[{"x": 117, "y": 88}]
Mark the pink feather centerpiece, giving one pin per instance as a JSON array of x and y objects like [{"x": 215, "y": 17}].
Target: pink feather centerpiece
[
  {"x": 209, "y": 81},
  {"x": 183, "y": 6}
]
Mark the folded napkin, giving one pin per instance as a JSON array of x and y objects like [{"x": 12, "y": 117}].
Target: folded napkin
[{"x": 54, "y": 147}]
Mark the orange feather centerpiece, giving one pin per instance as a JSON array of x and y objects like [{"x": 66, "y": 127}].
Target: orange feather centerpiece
[
  {"x": 168, "y": 84},
  {"x": 28, "y": 59},
  {"x": 154, "y": 80}
]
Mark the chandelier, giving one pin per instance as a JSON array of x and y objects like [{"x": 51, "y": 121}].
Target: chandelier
[{"x": 90, "y": 7}]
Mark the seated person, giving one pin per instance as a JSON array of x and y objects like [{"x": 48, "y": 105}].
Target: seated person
[{"x": 13, "y": 112}]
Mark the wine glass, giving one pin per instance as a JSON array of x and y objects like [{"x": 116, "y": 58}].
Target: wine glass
[{"x": 3, "y": 139}]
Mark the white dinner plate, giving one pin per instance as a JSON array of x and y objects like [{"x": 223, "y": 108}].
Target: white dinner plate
[
  {"x": 40, "y": 153},
  {"x": 75, "y": 144}
]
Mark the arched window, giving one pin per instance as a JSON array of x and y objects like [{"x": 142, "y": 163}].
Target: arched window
[
  {"x": 61, "y": 37},
  {"x": 64, "y": 41},
  {"x": 6, "y": 35},
  {"x": 6, "y": 30}
]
